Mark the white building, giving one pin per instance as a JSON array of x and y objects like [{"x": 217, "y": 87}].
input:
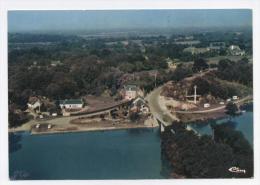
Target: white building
[
  {"x": 34, "y": 103},
  {"x": 235, "y": 97},
  {"x": 235, "y": 50},
  {"x": 71, "y": 104}
]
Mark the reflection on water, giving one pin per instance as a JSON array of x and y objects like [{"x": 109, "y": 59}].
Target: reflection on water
[
  {"x": 166, "y": 168},
  {"x": 243, "y": 123},
  {"x": 20, "y": 175},
  {"x": 248, "y": 107},
  {"x": 14, "y": 142},
  {"x": 138, "y": 131}
]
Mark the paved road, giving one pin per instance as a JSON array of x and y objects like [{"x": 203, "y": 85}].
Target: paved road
[
  {"x": 64, "y": 121},
  {"x": 214, "y": 109},
  {"x": 157, "y": 109}
]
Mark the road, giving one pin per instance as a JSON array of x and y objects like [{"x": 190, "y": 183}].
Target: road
[
  {"x": 64, "y": 121},
  {"x": 214, "y": 109},
  {"x": 157, "y": 109}
]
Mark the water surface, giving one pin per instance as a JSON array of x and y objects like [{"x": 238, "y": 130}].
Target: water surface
[
  {"x": 119, "y": 154},
  {"x": 242, "y": 123}
]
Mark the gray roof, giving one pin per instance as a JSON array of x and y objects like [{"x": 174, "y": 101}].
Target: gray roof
[
  {"x": 71, "y": 101},
  {"x": 130, "y": 88}
]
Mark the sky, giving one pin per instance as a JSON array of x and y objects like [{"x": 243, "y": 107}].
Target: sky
[{"x": 60, "y": 20}]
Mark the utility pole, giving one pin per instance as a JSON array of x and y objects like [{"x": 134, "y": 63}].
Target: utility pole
[
  {"x": 155, "y": 78},
  {"x": 195, "y": 94},
  {"x": 40, "y": 107}
]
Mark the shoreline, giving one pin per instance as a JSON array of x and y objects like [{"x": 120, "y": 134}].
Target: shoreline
[
  {"x": 81, "y": 130},
  {"x": 201, "y": 119}
]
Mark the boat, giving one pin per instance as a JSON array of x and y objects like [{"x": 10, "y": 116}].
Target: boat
[{"x": 235, "y": 169}]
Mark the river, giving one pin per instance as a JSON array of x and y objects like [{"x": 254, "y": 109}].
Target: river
[
  {"x": 118, "y": 154},
  {"x": 243, "y": 123}
]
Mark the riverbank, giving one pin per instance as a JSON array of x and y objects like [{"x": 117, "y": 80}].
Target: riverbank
[
  {"x": 91, "y": 129},
  {"x": 81, "y": 125},
  {"x": 215, "y": 113}
]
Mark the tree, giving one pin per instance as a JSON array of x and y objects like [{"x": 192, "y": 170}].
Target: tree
[
  {"x": 223, "y": 64},
  {"x": 199, "y": 64},
  {"x": 53, "y": 90},
  {"x": 134, "y": 116},
  {"x": 181, "y": 72},
  {"x": 231, "y": 109}
]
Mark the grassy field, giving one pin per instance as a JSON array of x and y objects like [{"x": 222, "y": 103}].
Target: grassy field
[{"x": 215, "y": 60}]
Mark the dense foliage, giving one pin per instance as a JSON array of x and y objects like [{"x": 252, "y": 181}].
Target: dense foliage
[
  {"x": 199, "y": 65},
  {"x": 66, "y": 66},
  {"x": 210, "y": 84},
  {"x": 240, "y": 71},
  {"x": 231, "y": 109},
  {"x": 202, "y": 157}
]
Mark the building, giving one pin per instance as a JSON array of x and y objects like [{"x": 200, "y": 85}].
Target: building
[
  {"x": 55, "y": 63},
  {"x": 71, "y": 104},
  {"x": 235, "y": 97},
  {"x": 194, "y": 50},
  {"x": 235, "y": 50},
  {"x": 171, "y": 64},
  {"x": 139, "y": 104},
  {"x": 130, "y": 92},
  {"x": 217, "y": 45},
  {"x": 34, "y": 103}
]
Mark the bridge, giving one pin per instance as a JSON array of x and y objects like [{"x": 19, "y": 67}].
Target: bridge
[
  {"x": 160, "y": 113},
  {"x": 161, "y": 122}
]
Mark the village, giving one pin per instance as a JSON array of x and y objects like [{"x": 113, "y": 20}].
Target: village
[
  {"x": 89, "y": 113},
  {"x": 133, "y": 109},
  {"x": 131, "y": 94}
]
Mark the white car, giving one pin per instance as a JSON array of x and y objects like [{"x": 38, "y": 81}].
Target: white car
[{"x": 54, "y": 114}]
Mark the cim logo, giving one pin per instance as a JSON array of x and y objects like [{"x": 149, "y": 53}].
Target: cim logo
[{"x": 236, "y": 170}]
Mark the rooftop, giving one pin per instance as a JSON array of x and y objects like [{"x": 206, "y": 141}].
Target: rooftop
[
  {"x": 71, "y": 101},
  {"x": 130, "y": 88}
]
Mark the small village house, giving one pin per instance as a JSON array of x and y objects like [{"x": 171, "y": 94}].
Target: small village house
[
  {"x": 130, "y": 92},
  {"x": 217, "y": 45},
  {"x": 140, "y": 105},
  {"x": 235, "y": 50},
  {"x": 235, "y": 97},
  {"x": 34, "y": 104},
  {"x": 55, "y": 63},
  {"x": 71, "y": 104}
]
